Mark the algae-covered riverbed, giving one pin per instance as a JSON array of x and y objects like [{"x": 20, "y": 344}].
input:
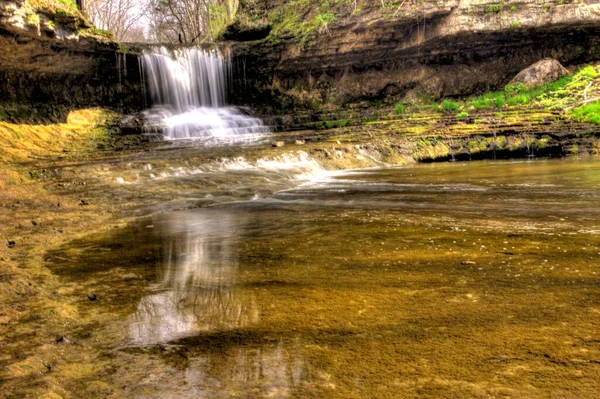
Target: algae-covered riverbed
[{"x": 473, "y": 279}]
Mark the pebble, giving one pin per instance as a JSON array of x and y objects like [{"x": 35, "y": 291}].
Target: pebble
[
  {"x": 83, "y": 202},
  {"x": 92, "y": 297},
  {"x": 63, "y": 340},
  {"x": 11, "y": 244},
  {"x": 278, "y": 144},
  {"x": 300, "y": 142},
  {"x": 468, "y": 262}
]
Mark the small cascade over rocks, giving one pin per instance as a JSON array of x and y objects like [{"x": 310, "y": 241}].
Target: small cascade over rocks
[{"x": 188, "y": 91}]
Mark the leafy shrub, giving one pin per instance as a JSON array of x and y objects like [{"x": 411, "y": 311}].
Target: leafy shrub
[{"x": 462, "y": 115}]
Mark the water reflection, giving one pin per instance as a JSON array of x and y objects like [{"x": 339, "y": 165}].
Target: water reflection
[
  {"x": 273, "y": 370},
  {"x": 196, "y": 288}
]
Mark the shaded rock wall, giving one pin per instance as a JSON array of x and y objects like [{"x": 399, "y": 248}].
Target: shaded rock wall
[{"x": 52, "y": 64}]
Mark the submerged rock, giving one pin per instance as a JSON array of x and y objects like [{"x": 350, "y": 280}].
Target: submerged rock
[
  {"x": 62, "y": 340},
  {"x": 544, "y": 71}
]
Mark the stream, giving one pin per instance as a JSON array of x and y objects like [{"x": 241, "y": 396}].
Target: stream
[{"x": 440, "y": 280}]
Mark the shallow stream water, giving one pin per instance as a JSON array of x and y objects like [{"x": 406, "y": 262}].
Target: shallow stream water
[{"x": 443, "y": 280}]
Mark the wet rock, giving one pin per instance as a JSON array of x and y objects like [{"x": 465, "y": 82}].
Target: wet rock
[
  {"x": 59, "y": 231},
  {"x": 544, "y": 71},
  {"x": 83, "y": 202},
  {"x": 92, "y": 297},
  {"x": 62, "y": 340},
  {"x": 278, "y": 144},
  {"x": 11, "y": 244},
  {"x": 300, "y": 142},
  {"x": 468, "y": 263},
  {"x": 33, "y": 222}
]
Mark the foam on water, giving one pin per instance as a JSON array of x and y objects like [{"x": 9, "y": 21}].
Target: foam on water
[{"x": 188, "y": 90}]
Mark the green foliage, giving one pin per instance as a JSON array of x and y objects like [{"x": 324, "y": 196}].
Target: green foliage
[
  {"x": 33, "y": 19},
  {"x": 515, "y": 24},
  {"x": 515, "y": 89},
  {"x": 450, "y": 106},
  {"x": 100, "y": 32},
  {"x": 68, "y": 3},
  {"x": 462, "y": 115},
  {"x": 494, "y": 8},
  {"x": 306, "y": 19},
  {"x": 589, "y": 72},
  {"x": 587, "y": 113},
  {"x": 343, "y": 122},
  {"x": 519, "y": 99},
  {"x": 400, "y": 109},
  {"x": 325, "y": 18}
]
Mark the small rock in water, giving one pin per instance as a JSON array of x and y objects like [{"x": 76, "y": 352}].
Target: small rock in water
[
  {"x": 120, "y": 180},
  {"x": 92, "y": 297},
  {"x": 11, "y": 244},
  {"x": 33, "y": 222},
  {"x": 83, "y": 202},
  {"x": 300, "y": 142},
  {"x": 468, "y": 262},
  {"x": 278, "y": 144},
  {"x": 63, "y": 340}
]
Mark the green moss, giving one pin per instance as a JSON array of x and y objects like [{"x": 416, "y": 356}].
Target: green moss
[
  {"x": 501, "y": 141},
  {"x": 494, "y": 8},
  {"x": 587, "y": 113}
]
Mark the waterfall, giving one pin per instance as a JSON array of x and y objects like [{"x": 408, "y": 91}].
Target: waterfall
[{"x": 188, "y": 89}]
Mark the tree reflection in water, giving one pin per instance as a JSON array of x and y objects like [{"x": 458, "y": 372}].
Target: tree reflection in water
[{"x": 196, "y": 289}]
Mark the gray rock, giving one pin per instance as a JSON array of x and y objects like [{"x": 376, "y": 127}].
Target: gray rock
[{"x": 544, "y": 71}]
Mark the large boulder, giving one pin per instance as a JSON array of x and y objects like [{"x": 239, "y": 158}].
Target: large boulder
[{"x": 544, "y": 71}]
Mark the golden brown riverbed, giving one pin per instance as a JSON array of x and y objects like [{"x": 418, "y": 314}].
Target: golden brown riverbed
[{"x": 445, "y": 280}]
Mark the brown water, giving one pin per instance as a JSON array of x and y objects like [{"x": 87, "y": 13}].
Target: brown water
[{"x": 443, "y": 280}]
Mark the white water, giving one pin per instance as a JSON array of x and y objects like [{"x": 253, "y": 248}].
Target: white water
[{"x": 188, "y": 88}]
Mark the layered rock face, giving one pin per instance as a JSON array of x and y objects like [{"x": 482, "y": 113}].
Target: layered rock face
[
  {"x": 349, "y": 51},
  {"x": 52, "y": 61}
]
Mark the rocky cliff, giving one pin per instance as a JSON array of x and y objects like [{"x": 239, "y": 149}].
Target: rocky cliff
[
  {"x": 340, "y": 52},
  {"x": 52, "y": 61}
]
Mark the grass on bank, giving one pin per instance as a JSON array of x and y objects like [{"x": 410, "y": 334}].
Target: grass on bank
[{"x": 576, "y": 94}]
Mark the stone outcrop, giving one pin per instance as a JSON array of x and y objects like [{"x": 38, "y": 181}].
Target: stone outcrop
[
  {"x": 544, "y": 71},
  {"x": 53, "y": 61},
  {"x": 344, "y": 53}
]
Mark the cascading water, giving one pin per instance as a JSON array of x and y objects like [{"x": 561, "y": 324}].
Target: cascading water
[{"x": 188, "y": 90}]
